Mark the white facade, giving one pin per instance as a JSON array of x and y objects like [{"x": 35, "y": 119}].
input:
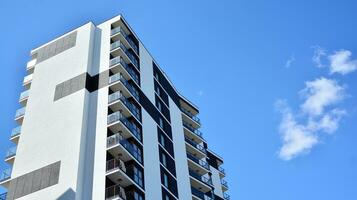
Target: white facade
[{"x": 107, "y": 129}]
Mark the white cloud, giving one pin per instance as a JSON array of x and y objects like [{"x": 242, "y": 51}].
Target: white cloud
[
  {"x": 329, "y": 122},
  {"x": 290, "y": 61},
  {"x": 297, "y": 138},
  {"x": 319, "y": 52},
  {"x": 319, "y": 94},
  {"x": 200, "y": 93},
  {"x": 341, "y": 62}
]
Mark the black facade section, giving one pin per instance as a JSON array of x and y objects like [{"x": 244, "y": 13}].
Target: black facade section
[
  {"x": 166, "y": 195},
  {"x": 168, "y": 87},
  {"x": 92, "y": 82},
  {"x": 169, "y": 181},
  {"x": 213, "y": 160},
  {"x": 167, "y": 161},
  {"x": 217, "y": 198},
  {"x": 34, "y": 181}
]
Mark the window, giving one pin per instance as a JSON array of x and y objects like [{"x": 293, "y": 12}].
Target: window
[
  {"x": 162, "y": 140},
  {"x": 163, "y": 159},
  {"x": 156, "y": 75},
  {"x": 158, "y": 106},
  {"x": 137, "y": 152},
  {"x": 137, "y": 196},
  {"x": 167, "y": 197},
  {"x": 138, "y": 176},
  {"x": 161, "y": 123},
  {"x": 157, "y": 90},
  {"x": 166, "y": 180}
]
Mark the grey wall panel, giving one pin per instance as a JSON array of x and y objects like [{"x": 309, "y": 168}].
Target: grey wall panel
[{"x": 34, "y": 181}]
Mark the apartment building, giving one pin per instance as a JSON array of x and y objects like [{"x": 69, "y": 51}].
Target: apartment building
[{"x": 99, "y": 119}]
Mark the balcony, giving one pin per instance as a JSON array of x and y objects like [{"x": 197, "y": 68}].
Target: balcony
[
  {"x": 118, "y": 117},
  {"x": 222, "y": 172},
  {"x": 224, "y": 185},
  {"x": 119, "y": 49},
  {"x": 128, "y": 72},
  {"x": 199, "y": 181},
  {"x": 226, "y": 196},
  {"x": 27, "y": 81},
  {"x": 126, "y": 106},
  {"x": 128, "y": 89},
  {"x": 192, "y": 132},
  {"x": 31, "y": 65},
  {"x": 118, "y": 145},
  {"x": 15, "y": 133},
  {"x": 117, "y": 171},
  {"x": 10, "y": 155},
  {"x": 197, "y": 194},
  {"x": 126, "y": 37},
  {"x": 23, "y": 97},
  {"x": 114, "y": 192},
  {"x": 5, "y": 177},
  {"x": 193, "y": 147},
  {"x": 198, "y": 165},
  {"x": 3, "y": 196},
  {"x": 188, "y": 115},
  {"x": 19, "y": 116}
]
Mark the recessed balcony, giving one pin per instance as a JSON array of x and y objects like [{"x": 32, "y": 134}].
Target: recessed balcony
[
  {"x": 118, "y": 65},
  {"x": 118, "y": 145},
  {"x": 118, "y": 172},
  {"x": 27, "y": 81},
  {"x": 10, "y": 155},
  {"x": 201, "y": 182},
  {"x": 117, "y": 122},
  {"x": 119, "y": 49},
  {"x": 5, "y": 177},
  {"x": 115, "y": 192},
  {"x": 199, "y": 195},
  {"x": 24, "y": 97},
  {"x": 190, "y": 118},
  {"x": 117, "y": 82},
  {"x": 192, "y": 132},
  {"x": 196, "y": 164},
  {"x": 119, "y": 33},
  {"x": 117, "y": 101},
  {"x": 19, "y": 116},
  {"x": 15, "y": 134},
  {"x": 31, "y": 65},
  {"x": 194, "y": 148}
]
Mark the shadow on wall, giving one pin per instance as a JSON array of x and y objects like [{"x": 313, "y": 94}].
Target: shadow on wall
[{"x": 68, "y": 195}]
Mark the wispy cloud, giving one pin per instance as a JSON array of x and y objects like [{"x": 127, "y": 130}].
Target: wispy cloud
[
  {"x": 341, "y": 62},
  {"x": 290, "y": 61},
  {"x": 300, "y": 132},
  {"x": 319, "y": 94},
  {"x": 200, "y": 93},
  {"x": 319, "y": 52}
]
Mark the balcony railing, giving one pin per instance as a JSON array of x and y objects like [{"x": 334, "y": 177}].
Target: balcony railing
[
  {"x": 119, "y": 60},
  {"x": 16, "y": 131},
  {"x": 118, "y": 77},
  {"x": 10, "y": 152},
  {"x": 192, "y": 116},
  {"x": 118, "y": 139},
  {"x": 5, "y": 175},
  {"x": 119, "y": 96},
  {"x": 3, "y": 196},
  {"x": 127, "y": 37},
  {"x": 192, "y": 129},
  {"x": 226, "y": 196},
  {"x": 195, "y": 144},
  {"x": 118, "y": 116},
  {"x": 132, "y": 58},
  {"x": 20, "y": 112},
  {"x": 201, "y": 178},
  {"x": 115, "y": 164},
  {"x": 224, "y": 183},
  {"x": 198, "y": 161},
  {"x": 24, "y": 94},
  {"x": 114, "y": 192},
  {"x": 221, "y": 170},
  {"x": 200, "y": 194}
]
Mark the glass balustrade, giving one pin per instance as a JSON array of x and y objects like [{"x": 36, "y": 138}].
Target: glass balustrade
[
  {"x": 118, "y": 77},
  {"x": 119, "y": 96},
  {"x": 195, "y": 144},
  {"x": 5, "y": 175},
  {"x": 10, "y": 152},
  {"x": 119, "y": 60},
  {"x": 192, "y": 129},
  {"x": 198, "y": 161},
  {"x": 201, "y": 178},
  {"x": 20, "y": 112},
  {"x": 192, "y": 116},
  {"x": 117, "y": 116},
  {"x": 16, "y": 131},
  {"x": 118, "y": 139}
]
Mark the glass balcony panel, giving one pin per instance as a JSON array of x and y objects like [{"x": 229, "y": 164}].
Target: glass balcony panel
[
  {"x": 24, "y": 94},
  {"x": 224, "y": 182},
  {"x": 226, "y": 196},
  {"x": 16, "y": 131},
  {"x": 5, "y": 175},
  {"x": 117, "y": 116},
  {"x": 114, "y": 192},
  {"x": 195, "y": 144},
  {"x": 201, "y": 178},
  {"x": 200, "y": 194},
  {"x": 192, "y": 116},
  {"x": 3, "y": 196},
  {"x": 20, "y": 112},
  {"x": 10, "y": 152},
  {"x": 198, "y": 161},
  {"x": 119, "y": 60},
  {"x": 119, "y": 96},
  {"x": 192, "y": 129},
  {"x": 127, "y": 37},
  {"x": 118, "y": 77},
  {"x": 118, "y": 139},
  {"x": 131, "y": 57}
]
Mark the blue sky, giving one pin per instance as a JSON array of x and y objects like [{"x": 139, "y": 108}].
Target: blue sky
[{"x": 285, "y": 126}]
